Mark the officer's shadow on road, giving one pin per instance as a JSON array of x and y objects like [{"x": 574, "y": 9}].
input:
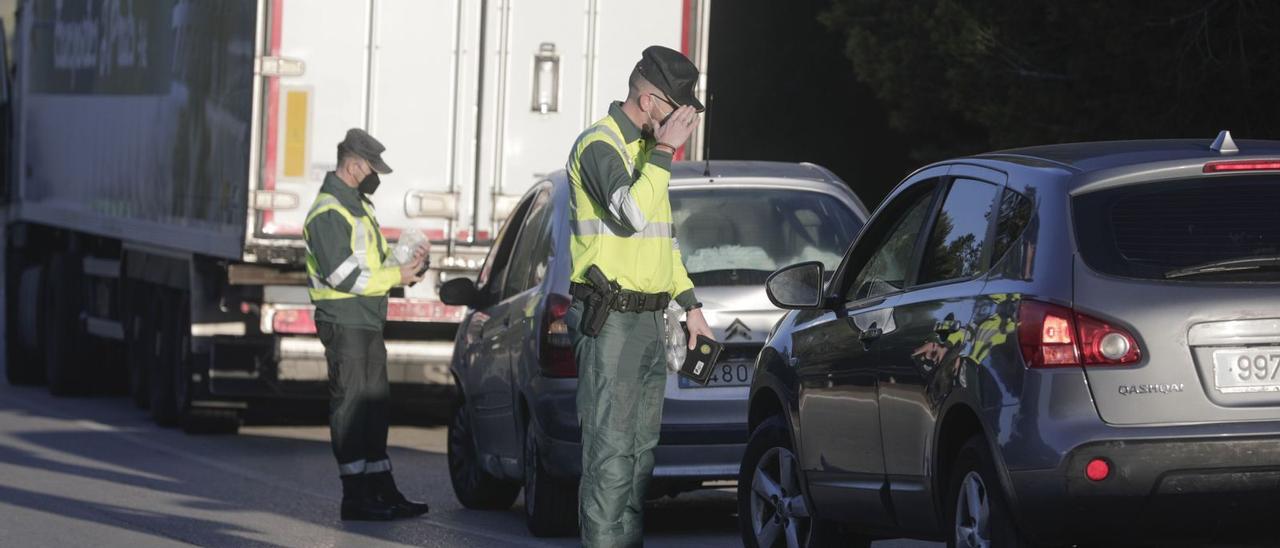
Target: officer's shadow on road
[
  {"x": 116, "y": 515},
  {"x": 190, "y": 487}
]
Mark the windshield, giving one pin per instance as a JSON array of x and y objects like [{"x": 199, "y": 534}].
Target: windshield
[{"x": 738, "y": 236}]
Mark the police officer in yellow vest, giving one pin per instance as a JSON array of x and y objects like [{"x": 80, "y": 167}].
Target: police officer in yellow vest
[
  {"x": 619, "y": 169},
  {"x": 349, "y": 285}
]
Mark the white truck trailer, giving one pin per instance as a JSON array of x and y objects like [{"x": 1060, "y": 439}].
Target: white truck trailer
[{"x": 166, "y": 152}]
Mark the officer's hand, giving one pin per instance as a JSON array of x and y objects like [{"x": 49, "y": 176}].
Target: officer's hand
[
  {"x": 697, "y": 325},
  {"x": 420, "y": 253},
  {"x": 679, "y": 127},
  {"x": 409, "y": 272}
]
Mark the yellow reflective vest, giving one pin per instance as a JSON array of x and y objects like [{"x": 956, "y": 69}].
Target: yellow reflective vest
[
  {"x": 345, "y": 251},
  {"x": 620, "y": 217}
]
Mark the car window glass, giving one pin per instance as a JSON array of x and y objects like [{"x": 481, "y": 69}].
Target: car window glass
[
  {"x": 886, "y": 270},
  {"x": 495, "y": 264},
  {"x": 1012, "y": 218},
  {"x": 532, "y": 249},
  {"x": 739, "y": 236},
  {"x": 954, "y": 248}
]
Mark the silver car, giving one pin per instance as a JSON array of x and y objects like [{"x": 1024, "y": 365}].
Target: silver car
[
  {"x": 516, "y": 423},
  {"x": 1044, "y": 346}
]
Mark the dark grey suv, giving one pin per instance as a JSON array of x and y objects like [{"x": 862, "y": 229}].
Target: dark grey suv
[{"x": 1060, "y": 344}]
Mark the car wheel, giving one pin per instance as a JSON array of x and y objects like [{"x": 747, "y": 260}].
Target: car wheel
[
  {"x": 475, "y": 488},
  {"x": 550, "y": 504},
  {"x": 978, "y": 514},
  {"x": 772, "y": 507}
]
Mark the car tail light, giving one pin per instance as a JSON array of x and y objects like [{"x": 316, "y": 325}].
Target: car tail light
[
  {"x": 1242, "y": 165},
  {"x": 556, "y": 351},
  {"x": 293, "y": 320},
  {"x": 1105, "y": 344},
  {"x": 1046, "y": 334},
  {"x": 1056, "y": 336}
]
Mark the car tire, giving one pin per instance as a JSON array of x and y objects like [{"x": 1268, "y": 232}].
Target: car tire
[
  {"x": 974, "y": 494},
  {"x": 771, "y": 502},
  {"x": 475, "y": 488},
  {"x": 550, "y": 503}
]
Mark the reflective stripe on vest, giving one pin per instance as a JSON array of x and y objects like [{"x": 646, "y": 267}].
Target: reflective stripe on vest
[
  {"x": 363, "y": 229},
  {"x": 640, "y": 260}
]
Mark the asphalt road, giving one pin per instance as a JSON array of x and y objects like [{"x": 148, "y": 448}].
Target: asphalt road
[{"x": 75, "y": 472}]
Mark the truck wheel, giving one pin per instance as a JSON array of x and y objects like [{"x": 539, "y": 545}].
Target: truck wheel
[
  {"x": 23, "y": 360},
  {"x": 772, "y": 507},
  {"x": 141, "y": 344},
  {"x": 164, "y": 368},
  {"x": 977, "y": 514},
  {"x": 64, "y": 333},
  {"x": 211, "y": 421},
  {"x": 550, "y": 504},
  {"x": 473, "y": 486}
]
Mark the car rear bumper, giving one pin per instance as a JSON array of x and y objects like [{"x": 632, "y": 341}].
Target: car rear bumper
[
  {"x": 686, "y": 451},
  {"x": 1211, "y": 489}
]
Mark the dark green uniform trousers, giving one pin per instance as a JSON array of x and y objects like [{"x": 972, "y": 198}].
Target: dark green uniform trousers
[
  {"x": 621, "y": 374},
  {"x": 358, "y": 397}
]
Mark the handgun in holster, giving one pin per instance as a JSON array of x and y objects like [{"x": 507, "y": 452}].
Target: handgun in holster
[{"x": 598, "y": 305}]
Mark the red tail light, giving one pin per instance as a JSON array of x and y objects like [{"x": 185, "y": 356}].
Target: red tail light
[
  {"x": 556, "y": 351},
  {"x": 293, "y": 320},
  {"x": 1056, "y": 336}
]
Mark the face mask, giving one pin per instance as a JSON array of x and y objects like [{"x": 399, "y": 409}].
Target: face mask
[{"x": 370, "y": 183}]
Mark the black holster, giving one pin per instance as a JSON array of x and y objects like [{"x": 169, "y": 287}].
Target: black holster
[{"x": 597, "y": 301}]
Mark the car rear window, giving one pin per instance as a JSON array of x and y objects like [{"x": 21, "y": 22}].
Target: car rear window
[{"x": 1206, "y": 229}]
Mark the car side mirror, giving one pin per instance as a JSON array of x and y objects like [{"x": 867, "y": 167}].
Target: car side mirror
[
  {"x": 796, "y": 287},
  {"x": 460, "y": 292}
]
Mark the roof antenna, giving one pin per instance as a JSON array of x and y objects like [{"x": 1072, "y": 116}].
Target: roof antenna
[
  {"x": 706, "y": 137},
  {"x": 1224, "y": 144}
]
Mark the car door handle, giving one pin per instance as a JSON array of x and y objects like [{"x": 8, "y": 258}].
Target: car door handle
[
  {"x": 870, "y": 335},
  {"x": 946, "y": 327}
]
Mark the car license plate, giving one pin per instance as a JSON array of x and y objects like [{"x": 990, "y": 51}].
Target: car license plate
[
  {"x": 726, "y": 373},
  {"x": 1247, "y": 370}
]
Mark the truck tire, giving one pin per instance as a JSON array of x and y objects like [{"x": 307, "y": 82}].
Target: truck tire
[
  {"x": 211, "y": 421},
  {"x": 141, "y": 342},
  {"x": 550, "y": 503},
  {"x": 165, "y": 409},
  {"x": 24, "y": 363},
  {"x": 64, "y": 365},
  {"x": 475, "y": 488}
]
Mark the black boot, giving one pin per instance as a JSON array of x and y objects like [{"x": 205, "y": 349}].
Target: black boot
[
  {"x": 360, "y": 502},
  {"x": 384, "y": 486}
]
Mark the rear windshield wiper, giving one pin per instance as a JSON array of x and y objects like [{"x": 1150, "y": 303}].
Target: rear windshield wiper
[{"x": 1229, "y": 265}]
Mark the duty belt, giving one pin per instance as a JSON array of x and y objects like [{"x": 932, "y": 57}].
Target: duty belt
[{"x": 626, "y": 300}]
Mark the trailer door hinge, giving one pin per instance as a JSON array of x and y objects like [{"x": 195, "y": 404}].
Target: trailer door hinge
[{"x": 280, "y": 66}]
